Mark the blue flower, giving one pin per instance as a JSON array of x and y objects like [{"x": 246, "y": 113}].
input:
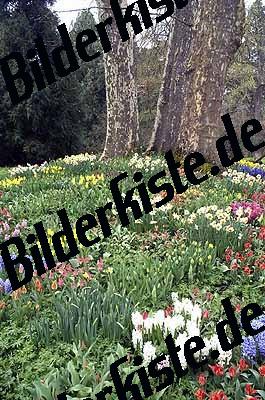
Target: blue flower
[
  {"x": 8, "y": 287},
  {"x": 1, "y": 264},
  {"x": 252, "y": 171},
  {"x": 253, "y": 348},
  {"x": 249, "y": 349}
]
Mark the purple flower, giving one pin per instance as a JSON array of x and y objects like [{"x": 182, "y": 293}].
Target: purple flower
[
  {"x": 253, "y": 171},
  {"x": 7, "y": 287},
  {"x": 251, "y": 209},
  {"x": 16, "y": 233},
  {"x": 253, "y": 348}
]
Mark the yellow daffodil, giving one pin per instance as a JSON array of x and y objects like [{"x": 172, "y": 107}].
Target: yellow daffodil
[{"x": 6, "y": 183}]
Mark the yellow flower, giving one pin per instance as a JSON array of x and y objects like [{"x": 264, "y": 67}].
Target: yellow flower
[
  {"x": 88, "y": 180},
  {"x": 6, "y": 183},
  {"x": 50, "y": 232},
  {"x": 86, "y": 275},
  {"x": 53, "y": 169}
]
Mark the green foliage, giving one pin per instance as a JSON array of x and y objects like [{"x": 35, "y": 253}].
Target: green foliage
[
  {"x": 57, "y": 120},
  {"x": 135, "y": 269},
  {"x": 80, "y": 316},
  {"x": 20, "y": 362}
]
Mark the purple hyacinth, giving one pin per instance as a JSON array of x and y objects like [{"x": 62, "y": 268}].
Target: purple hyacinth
[
  {"x": 253, "y": 347},
  {"x": 253, "y": 171},
  {"x": 8, "y": 287},
  {"x": 5, "y": 286}
]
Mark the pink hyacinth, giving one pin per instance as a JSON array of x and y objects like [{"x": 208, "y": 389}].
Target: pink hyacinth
[{"x": 251, "y": 210}]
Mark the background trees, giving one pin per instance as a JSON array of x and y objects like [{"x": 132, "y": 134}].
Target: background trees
[
  {"x": 181, "y": 75},
  {"x": 55, "y": 121}
]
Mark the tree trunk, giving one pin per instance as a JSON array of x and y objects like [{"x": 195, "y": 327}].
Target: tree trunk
[
  {"x": 121, "y": 94},
  {"x": 259, "y": 97},
  {"x": 171, "y": 97},
  {"x": 218, "y": 30}
]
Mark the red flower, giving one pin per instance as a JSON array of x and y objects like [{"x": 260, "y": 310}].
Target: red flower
[
  {"x": 209, "y": 296},
  {"x": 217, "y": 369},
  {"x": 228, "y": 251},
  {"x": 145, "y": 315},
  {"x": 38, "y": 285},
  {"x": 200, "y": 394},
  {"x": 247, "y": 271},
  {"x": 168, "y": 311},
  {"x": 262, "y": 370},
  {"x": 234, "y": 265},
  {"x": 232, "y": 372},
  {"x": 205, "y": 314},
  {"x": 262, "y": 233},
  {"x": 218, "y": 395},
  {"x": 238, "y": 308},
  {"x": 247, "y": 245},
  {"x": 100, "y": 264},
  {"x": 249, "y": 390},
  {"x": 243, "y": 365},
  {"x": 202, "y": 379},
  {"x": 239, "y": 256},
  {"x": 262, "y": 266},
  {"x": 250, "y": 254}
]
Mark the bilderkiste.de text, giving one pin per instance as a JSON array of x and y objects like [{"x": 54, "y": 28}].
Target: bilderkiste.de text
[
  {"x": 167, "y": 373},
  {"x": 39, "y": 67},
  {"x": 88, "y": 222}
]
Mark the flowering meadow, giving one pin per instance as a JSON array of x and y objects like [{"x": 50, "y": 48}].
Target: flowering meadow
[{"x": 165, "y": 273}]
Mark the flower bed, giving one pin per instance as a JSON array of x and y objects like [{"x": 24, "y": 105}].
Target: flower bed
[{"x": 62, "y": 331}]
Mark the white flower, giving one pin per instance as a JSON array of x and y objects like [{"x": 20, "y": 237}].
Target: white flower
[
  {"x": 148, "y": 324},
  {"x": 149, "y": 351},
  {"x": 137, "y": 339},
  {"x": 181, "y": 340},
  {"x": 192, "y": 329},
  {"x": 159, "y": 318},
  {"x": 137, "y": 319},
  {"x": 187, "y": 306},
  {"x": 229, "y": 228},
  {"x": 173, "y": 324}
]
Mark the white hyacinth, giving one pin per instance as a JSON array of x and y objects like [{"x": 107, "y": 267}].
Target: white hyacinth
[
  {"x": 137, "y": 339},
  {"x": 137, "y": 319},
  {"x": 149, "y": 351}
]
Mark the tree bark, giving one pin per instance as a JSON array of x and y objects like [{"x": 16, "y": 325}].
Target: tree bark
[
  {"x": 121, "y": 94},
  {"x": 259, "y": 96},
  {"x": 218, "y": 30},
  {"x": 171, "y": 97}
]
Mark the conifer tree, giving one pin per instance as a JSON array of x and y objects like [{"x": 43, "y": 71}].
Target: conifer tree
[{"x": 52, "y": 122}]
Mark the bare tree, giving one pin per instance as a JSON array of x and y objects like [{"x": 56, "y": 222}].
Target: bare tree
[
  {"x": 122, "y": 108},
  {"x": 171, "y": 97},
  {"x": 217, "y": 34}
]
